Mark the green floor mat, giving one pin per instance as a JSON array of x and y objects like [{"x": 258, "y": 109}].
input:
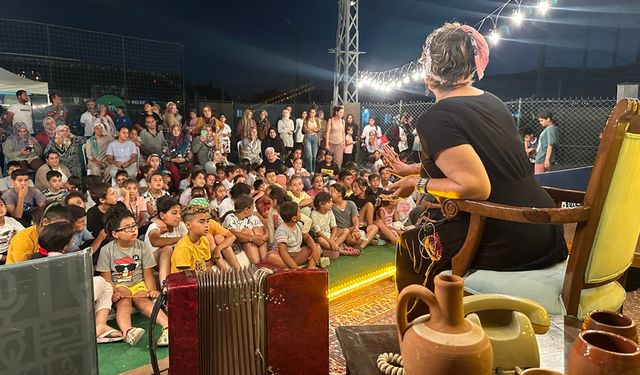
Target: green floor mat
[
  {"x": 118, "y": 357},
  {"x": 346, "y": 267}
]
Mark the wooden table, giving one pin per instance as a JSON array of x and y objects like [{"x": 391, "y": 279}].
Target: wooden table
[{"x": 361, "y": 345}]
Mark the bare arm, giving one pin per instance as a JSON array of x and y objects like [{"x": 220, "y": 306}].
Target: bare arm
[{"x": 157, "y": 241}]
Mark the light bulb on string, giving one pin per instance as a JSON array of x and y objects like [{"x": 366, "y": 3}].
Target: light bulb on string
[
  {"x": 417, "y": 75},
  {"x": 517, "y": 18},
  {"x": 494, "y": 37},
  {"x": 543, "y": 7},
  {"x": 406, "y": 79}
]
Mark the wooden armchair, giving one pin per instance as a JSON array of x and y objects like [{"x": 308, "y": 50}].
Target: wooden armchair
[{"x": 608, "y": 225}]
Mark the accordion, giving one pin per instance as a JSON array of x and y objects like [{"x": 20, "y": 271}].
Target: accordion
[{"x": 253, "y": 321}]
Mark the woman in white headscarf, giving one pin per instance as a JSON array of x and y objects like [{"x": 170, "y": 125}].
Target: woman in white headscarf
[
  {"x": 22, "y": 147},
  {"x": 96, "y": 151},
  {"x": 69, "y": 147}
]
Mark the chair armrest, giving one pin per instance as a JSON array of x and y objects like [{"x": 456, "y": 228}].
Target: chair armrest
[
  {"x": 565, "y": 195},
  {"x": 529, "y": 215}
]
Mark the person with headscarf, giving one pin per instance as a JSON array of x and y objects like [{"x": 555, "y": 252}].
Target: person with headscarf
[
  {"x": 176, "y": 153},
  {"x": 207, "y": 118},
  {"x": 106, "y": 121},
  {"x": 471, "y": 151},
  {"x": 263, "y": 125},
  {"x": 250, "y": 147},
  {"x": 23, "y": 148},
  {"x": 170, "y": 116},
  {"x": 275, "y": 142},
  {"x": 96, "y": 151},
  {"x": 69, "y": 148},
  {"x": 49, "y": 132}
]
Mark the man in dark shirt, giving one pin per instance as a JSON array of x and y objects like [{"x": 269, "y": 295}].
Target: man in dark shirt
[
  {"x": 105, "y": 196},
  {"x": 138, "y": 122}
]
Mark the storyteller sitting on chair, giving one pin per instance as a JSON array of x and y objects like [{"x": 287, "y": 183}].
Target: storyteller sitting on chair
[{"x": 471, "y": 150}]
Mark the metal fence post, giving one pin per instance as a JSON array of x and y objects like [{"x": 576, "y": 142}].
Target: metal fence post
[{"x": 519, "y": 114}]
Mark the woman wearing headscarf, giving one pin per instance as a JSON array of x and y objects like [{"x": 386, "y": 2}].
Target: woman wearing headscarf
[
  {"x": 96, "y": 151},
  {"x": 207, "y": 118},
  {"x": 106, "y": 121},
  {"x": 69, "y": 148},
  {"x": 471, "y": 150},
  {"x": 263, "y": 125},
  {"x": 176, "y": 153},
  {"x": 250, "y": 148},
  {"x": 22, "y": 147},
  {"x": 274, "y": 141},
  {"x": 170, "y": 114},
  {"x": 49, "y": 132}
]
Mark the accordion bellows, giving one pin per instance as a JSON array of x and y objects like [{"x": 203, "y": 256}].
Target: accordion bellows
[{"x": 254, "y": 321}]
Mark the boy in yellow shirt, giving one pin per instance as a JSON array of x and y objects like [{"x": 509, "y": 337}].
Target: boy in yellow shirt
[{"x": 192, "y": 252}]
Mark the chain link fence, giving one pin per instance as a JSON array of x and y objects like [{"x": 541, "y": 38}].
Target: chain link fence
[{"x": 580, "y": 120}]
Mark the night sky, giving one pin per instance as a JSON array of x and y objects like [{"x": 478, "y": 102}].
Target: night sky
[{"x": 247, "y": 46}]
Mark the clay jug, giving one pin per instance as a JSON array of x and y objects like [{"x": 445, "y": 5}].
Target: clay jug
[
  {"x": 443, "y": 341},
  {"x": 613, "y": 322},
  {"x": 603, "y": 353}
]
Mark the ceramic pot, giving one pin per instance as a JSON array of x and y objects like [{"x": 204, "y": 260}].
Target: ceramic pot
[
  {"x": 603, "y": 353},
  {"x": 443, "y": 341},
  {"x": 613, "y": 322},
  {"x": 540, "y": 371}
]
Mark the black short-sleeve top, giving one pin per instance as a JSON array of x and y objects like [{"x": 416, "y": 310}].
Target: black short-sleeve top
[{"x": 485, "y": 123}]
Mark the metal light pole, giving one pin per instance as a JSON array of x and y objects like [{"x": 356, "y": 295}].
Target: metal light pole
[{"x": 345, "y": 88}]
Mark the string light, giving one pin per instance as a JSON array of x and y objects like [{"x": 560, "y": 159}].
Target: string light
[{"x": 395, "y": 79}]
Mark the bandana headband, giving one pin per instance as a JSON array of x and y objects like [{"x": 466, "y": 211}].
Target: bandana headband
[{"x": 480, "y": 51}]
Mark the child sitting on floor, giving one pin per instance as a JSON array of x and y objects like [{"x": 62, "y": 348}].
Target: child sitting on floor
[
  {"x": 248, "y": 229},
  {"x": 199, "y": 197},
  {"x": 55, "y": 192},
  {"x": 163, "y": 234},
  {"x": 127, "y": 264},
  {"x": 134, "y": 202},
  {"x": 156, "y": 190},
  {"x": 192, "y": 252},
  {"x": 324, "y": 225},
  {"x": 298, "y": 195},
  {"x": 289, "y": 237},
  {"x": 390, "y": 227},
  {"x": 82, "y": 238}
]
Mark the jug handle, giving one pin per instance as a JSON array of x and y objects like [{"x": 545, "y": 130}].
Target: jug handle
[{"x": 422, "y": 293}]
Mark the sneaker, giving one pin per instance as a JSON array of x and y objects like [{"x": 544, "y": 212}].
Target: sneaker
[
  {"x": 164, "y": 337},
  {"x": 133, "y": 335},
  {"x": 363, "y": 235},
  {"x": 324, "y": 262},
  {"x": 381, "y": 242}
]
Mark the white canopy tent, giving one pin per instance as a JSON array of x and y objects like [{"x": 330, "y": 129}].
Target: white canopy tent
[{"x": 10, "y": 83}]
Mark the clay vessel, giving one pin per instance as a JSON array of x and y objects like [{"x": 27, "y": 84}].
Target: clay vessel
[
  {"x": 540, "y": 371},
  {"x": 603, "y": 353},
  {"x": 613, "y": 322},
  {"x": 443, "y": 341}
]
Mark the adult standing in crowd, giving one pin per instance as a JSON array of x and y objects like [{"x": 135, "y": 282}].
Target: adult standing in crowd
[
  {"x": 57, "y": 110},
  {"x": 285, "y": 130},
  {"x": 223, "y": 133},
  {"x": 122, "y": 155},
  {"x": 23, "y": 148},
  {"x": 250, "y": 147},
  {"x": 122, "y": 120},
  {"x": 350, "y": 120},
  {"x": 472, "y": 152},
  {"x": 547, "y": 142},
  {"x": 322, "y": 133},
  {"x": 49, "y": 132},
  {"x": 152, "y": 138},
  {"x": 207, "y": 118},
  {"x": 147, "y": 110},
  {"x": 275, "y": 142},
  {"x": 176, "y": 153},
  {"x": 311, "y": 128},
  {"x": 203, "y": 145},
  {"x": 52, "y": 164},
  {"x": 371, "y": 125},
  {"x": 89, "y": 118},
  {"x": 96, "y": 151},
  {"x": 170, "y": 114},
  {"x": 21, "y": 111},
  {"x": 263, "y": 125},
  {"x": 298, "y": 131},
  {"x": 69, "y": 148},
  {"x": 245, "y": 124},
  {"x": 336, "y": 135},
  {"x": 106, "y": 121}
]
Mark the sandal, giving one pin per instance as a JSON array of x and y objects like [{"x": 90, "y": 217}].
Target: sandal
[
  {"x": 106, "y": 337},
  {"x": 350, "y": 251},
  {"x": 164, "y": 337},
  {"x": 133, "y": 335}
]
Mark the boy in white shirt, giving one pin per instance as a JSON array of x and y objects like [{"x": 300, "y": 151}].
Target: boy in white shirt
[{"x": 248, "y": 229}]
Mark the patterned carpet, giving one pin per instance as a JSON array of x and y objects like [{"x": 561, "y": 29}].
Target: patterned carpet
[{"x": 373, "y": 305}]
